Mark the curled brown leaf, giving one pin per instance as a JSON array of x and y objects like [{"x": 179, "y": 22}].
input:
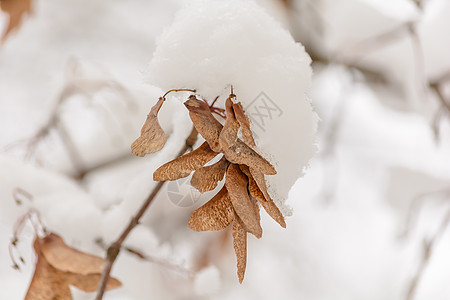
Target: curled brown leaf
[
  {"x": 236, "y": 183},
  {"x": 58, "y": 266},
  {"x": 204, "y": 122},
  {"x": 183, "y": 166},
  {"x": 240, "y": 247},
  {"x": 244, "y": 124},
  {"x": 206, "y": 178},
  {"x": 152, "y": 136},
  {"x": 216, "y": 214}
]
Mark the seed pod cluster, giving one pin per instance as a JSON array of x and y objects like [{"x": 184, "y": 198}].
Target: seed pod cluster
[{"x": 236, "y": 204}]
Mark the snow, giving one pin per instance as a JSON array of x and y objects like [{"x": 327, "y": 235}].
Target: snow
[
  {"x": 207, "y": 281},
  {"x": 208, "y": 48},
  {"x": 348, "y": 237}
]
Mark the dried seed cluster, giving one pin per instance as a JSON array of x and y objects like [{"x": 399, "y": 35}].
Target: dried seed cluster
[{"x": 243, "y": 168}]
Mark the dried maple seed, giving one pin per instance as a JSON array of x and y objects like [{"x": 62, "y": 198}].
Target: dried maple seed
[
  {"x": 244, "y": 123},
  {"x": 262, "y": 197},
  {"x": 242, "y": 154},
  {"x": 240, "y": 247},
  {"x": 236, "y": 183},
  {"x": 58, "y": 266},
  {"x": 183, "y": 166},
  {"x": 152, "y": 137},
  {"x": 243, "y": 168},
  {"x": 204, "y": 122},
  {"x": 228, "y": 135},
  {"x": 206, "y": 178},
  {"x": 216, "y": 214},
  {"x": 16, "y": 9}
]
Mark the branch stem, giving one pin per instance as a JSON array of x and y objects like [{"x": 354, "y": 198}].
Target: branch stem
[{"x": 114, "y": 249}]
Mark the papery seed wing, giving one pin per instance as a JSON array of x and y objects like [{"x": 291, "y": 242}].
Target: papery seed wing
[
  {"x": 264, "y": 199},
  {"x": 240, "y": 247},
  {"x": 242, "y": 154},
  {"x": 152, "y": 137},
  {"x": 204, "y": 122},
  {"x": 244, "y": 124},
  {"x": 206, "y": 178},
  {"x": 183, "y": 166},
  {"x": 228, "y": 135},
  {"x": 236, "y": 183},
  {"x": 16, "y": 9},
  {"x": 216, "y": 214}
]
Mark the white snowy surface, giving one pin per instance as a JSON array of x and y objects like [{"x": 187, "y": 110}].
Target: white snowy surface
[
  {"x": 214, "y": 44},
  {"x": 346, "y": 238}
]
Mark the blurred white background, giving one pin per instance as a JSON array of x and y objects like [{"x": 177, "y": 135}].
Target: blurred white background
[{"x": 370, "y": 216}]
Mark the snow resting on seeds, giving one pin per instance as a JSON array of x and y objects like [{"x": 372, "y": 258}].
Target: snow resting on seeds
[{"x": 214, "y": 44}]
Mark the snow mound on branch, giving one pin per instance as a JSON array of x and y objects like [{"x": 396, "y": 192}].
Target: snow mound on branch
[
  {"x": 213, "y": 44},
  {"x": 207, "y": 281}
]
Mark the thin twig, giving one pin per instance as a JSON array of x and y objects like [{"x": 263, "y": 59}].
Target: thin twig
[
  {"x": 178, "y": 90},
  {"x": 114, "y": 248},
  {"x": 428, "y": 250}
]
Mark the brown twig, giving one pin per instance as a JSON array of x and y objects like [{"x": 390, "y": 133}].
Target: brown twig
[
  {"x": 429, "y": 246},
  {"x": 178, "y": 90},
  {"x": 152, "y": 259},
  {"x": 114, "y": 248}
]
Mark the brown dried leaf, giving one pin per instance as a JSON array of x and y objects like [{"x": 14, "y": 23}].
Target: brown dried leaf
[
  {"x": 204, "y": 122},
  {"x": 216, "y": 214},
  {"x": 48, "y": 283},
  {"x": 90, "y": 282},
  {"x": 206, "y": 178},
  {"x": 67, "y": 259},
  {"x": 59, "y": 266},
  {"x": 183, "y": 166},
  {"x": 236, "y": 183},
  {"x": 152, "y": 137},
  {"x": 263, "y": 197},
  {"x": 228, "y": 135},
  {"x": 16, "y": 9},
  {"x": 240, "y": 247},
  {"x": 242, "y": 154},
  {"x": 244, "y": 124}
]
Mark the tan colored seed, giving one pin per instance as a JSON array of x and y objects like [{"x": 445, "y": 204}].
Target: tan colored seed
[
  {"x": 152, "y": 137},
  {"x": 206, "y": 178},
  {"x": 183, "y": 166},
  {"x": 216, "y": 214}
]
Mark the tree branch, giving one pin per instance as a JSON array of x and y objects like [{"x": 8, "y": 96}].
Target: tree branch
[{"x": 114, "y": 249}]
